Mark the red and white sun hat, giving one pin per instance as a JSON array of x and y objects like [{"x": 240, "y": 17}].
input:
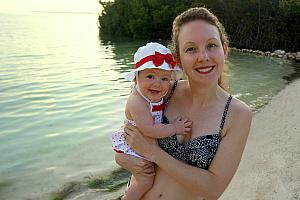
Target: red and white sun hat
[{"x": 152, "y": 56}]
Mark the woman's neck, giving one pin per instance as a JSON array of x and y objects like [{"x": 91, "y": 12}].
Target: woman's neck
[{"x": 202, "y": 95}]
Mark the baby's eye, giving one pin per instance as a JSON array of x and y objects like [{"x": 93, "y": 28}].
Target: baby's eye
[
  {"x": 165, "y": 79},
  {"x": 150, "y": 76}
]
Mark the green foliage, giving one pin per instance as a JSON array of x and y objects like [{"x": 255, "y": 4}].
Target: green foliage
[
  {"x": 67, "y": 189},
  {"x": 254, "y": 24},
  {"x": 115, "y": 181}
]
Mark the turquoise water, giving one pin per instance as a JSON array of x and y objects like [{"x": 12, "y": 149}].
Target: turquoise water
[{"x": 62, "y": 93}]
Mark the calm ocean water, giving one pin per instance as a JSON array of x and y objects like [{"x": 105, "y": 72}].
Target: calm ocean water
[{"x": 62, "y": 93}]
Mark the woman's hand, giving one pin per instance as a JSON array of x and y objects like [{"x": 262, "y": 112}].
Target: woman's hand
[
  {"x": 143, "y": 145},
  {"x": 135, "y": 165}
]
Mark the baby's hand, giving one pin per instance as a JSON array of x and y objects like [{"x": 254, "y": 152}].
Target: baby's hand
[{"x": 182, "y": 126}]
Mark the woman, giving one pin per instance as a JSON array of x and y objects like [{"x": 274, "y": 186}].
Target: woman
[{"x": 203, "y": 166}]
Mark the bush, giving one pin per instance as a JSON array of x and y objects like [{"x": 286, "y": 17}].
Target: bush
[{"x": 253, "y": 24}]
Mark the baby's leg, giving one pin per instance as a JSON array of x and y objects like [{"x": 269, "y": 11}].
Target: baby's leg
[{"x": 139, "y": 185}]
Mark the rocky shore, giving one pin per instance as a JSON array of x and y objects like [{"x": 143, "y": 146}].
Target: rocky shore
[{"x": 277, "y": 53}]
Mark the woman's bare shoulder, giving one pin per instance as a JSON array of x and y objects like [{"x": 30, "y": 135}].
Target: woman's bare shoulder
[
  {"x": 177, "y": 90},
  {"x": 241, "y": 115},
  {"x": 240, "y": 108},
  {"x": 181, "y": 82},
  {"x": 181, "y": 86}
]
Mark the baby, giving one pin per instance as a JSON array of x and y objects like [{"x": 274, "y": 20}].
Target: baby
[{"x": 152, "y": 74}]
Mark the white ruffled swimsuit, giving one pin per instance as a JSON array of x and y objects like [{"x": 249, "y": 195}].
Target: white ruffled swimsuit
[{"x": 118, "y": 141}]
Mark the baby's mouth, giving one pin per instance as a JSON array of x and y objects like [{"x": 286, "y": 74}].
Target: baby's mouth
[{"x": 154, "y": 92}]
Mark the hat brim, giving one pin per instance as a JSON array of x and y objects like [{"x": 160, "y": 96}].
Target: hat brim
[{"x": 131, "y": 75}]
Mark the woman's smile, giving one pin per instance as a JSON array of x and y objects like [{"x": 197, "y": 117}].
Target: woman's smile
[{"x": 205, "y": 69}]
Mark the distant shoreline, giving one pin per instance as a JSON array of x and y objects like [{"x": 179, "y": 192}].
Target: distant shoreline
[
  {"x": 64, "y": 12},
  {"x": 277, "y": 53}
]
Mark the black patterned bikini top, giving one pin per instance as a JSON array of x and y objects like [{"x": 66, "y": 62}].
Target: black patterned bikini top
[{"x": 199, "y": 151}]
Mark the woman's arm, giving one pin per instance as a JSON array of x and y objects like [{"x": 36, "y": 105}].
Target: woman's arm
[{"x": 210, "y": 183}]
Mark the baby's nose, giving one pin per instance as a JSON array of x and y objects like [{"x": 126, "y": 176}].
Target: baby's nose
[{"x": 157, "y": 82}]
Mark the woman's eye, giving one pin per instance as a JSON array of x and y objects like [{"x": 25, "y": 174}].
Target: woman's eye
[
  {"x": 212, "y": 45},
  {"x": 190, "y": 49}
]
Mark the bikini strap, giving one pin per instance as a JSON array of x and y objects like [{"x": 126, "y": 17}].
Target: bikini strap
[
  {"x": 171, "y": 93},
  {"x": 225, "y": 114}
]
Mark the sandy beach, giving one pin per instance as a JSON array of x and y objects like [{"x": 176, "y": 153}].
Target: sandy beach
[{"x": 270, "y": 166}]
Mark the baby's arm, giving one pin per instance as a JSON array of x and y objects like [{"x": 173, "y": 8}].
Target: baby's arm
[{"x": 139, "y": 113}]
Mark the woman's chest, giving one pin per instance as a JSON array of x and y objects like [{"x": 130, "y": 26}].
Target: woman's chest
[
  {"x": 199, "y": 147},
  {"x": 203, "y": 122}
]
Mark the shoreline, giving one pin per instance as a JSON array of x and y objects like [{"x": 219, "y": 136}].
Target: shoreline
[
  {"x": 277, "y": 53},
  {"x": 270, "y": 164}
]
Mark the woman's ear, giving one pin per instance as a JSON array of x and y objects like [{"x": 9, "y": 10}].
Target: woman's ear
[
  {"x": 177, "y": 60},
  {"x": 226, "y": 49}
]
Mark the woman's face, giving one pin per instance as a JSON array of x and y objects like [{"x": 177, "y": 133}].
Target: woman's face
[{"x": 201, "y": 52}]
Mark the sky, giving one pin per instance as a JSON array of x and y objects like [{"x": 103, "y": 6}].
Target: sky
[{"x": 25, "y": 6}]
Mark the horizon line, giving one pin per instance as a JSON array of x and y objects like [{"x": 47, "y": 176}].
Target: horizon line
[{"x": 69, "y": 12}]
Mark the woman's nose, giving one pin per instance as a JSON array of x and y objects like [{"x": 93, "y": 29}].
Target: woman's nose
[{"x": 202, "y": 55}]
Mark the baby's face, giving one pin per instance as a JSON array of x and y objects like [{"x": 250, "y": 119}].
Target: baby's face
[{"x": 154, "y": 83}]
